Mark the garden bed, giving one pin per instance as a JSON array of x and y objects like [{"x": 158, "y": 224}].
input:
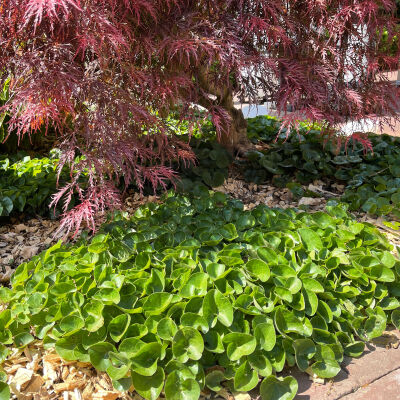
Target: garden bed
[
  {"x": 189, "y": 283},
  {"x": 188, "y": 279}
]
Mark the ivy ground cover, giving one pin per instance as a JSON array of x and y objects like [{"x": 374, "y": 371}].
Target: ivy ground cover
[{"x": 197, "y": 293}]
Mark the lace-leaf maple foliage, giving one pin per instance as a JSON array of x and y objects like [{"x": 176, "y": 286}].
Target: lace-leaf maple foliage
[{"x": 104, "y": 72}]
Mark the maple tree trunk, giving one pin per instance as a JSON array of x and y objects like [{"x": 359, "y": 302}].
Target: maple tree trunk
[{"x": 236, "y": 140}]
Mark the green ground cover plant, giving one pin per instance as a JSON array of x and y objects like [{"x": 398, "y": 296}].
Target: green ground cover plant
[
  {"x": 196, "y": 292},
  {"x": 26, "y": 184},
  {"x": 211, "y": 168},
  {"x": 372, "y": 178}
]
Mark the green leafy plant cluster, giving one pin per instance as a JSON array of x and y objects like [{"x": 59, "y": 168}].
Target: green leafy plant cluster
[
  {"x": 374, "y": 185},
  {"x": 300, "y": 155},
  {"x": 197, "y": 292},
  {"x": 26, "y": 184},
  {"x": 372, "y": 179},
  {"x": 211, "y": 168}
]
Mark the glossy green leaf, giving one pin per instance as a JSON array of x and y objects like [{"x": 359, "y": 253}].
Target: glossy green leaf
[
  {"x": 246, "y": 378},
  {"x": 179, "y": 388},
  {"x": 380, "y": 273},
  {"x": 195, "y": 321},
  {"x": 93, "y": 313},
  {"x": 71, "y": 349},
  {"x": 265, "y": 335},
  {"x": 326, "y": 365},
  {"x": 99, "y": 355},
  {"x": 287, "y": 322},
  {"x": 304, "y": 351},
  {"x": 107, "y": 295},
  {"x": 187, "y": 344},
  {"x": 144, "y": 360},
  {"x": 3, "y": 353},
  {"x": 156, "y": 303},
  {"x": 258, "y": 269},
  {"x": 213, "y": 342},
  {"x": 260, "y": 363},
  {"x": 130, "y": 346},
  {"x": 118, "y": 326},
  {"x": 273, "y": 388},
  {"x": 310, "y": 239},
  {"x": 149, "y": 387},
  {"x": 375, "y": 324},
  {"x": 239, "y": 345},
  {"x": 62, "y": 289},
  {"x": 312, "y": 285},
  {"x": 354, "y": 349},
  {"x": 217, "y": 306},
  {"x": 229, "y": 232},
  {"x": 166, "y": 329},
  {"x": 395, "y": 318},
  {"x": 196, "y": 285},
  {"x": 214, "y": 379},
  {"x": 119, "y": 367},
  {"x": 23, "y": 339}
]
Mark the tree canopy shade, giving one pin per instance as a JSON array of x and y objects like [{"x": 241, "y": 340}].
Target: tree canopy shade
[{"x": 103, "y": 72}]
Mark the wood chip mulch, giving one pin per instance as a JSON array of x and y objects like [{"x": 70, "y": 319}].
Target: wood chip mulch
[{"x": 38, "y": 374}]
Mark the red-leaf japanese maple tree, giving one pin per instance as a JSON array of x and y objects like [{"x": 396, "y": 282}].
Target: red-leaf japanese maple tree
[{"x": 103, "y": 72}]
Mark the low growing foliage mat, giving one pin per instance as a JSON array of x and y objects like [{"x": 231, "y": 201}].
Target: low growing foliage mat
[{"x": 197, "y": 293}]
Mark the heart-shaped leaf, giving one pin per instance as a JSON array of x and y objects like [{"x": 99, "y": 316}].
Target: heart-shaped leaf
[
  {"x": 239, "y": 345},
  {"x": 273, "y": 388},
  {"x": 311, "y": 239},
  {"x": 354, "y": 349},
  {"x": 265, "y": 335},
  {"x": 246, "y": 378},
  {"x": 286, "y": 322},
  {"x": 118, "y": 326},
  {"x": 149, "y": 387},
  {"x": 23, "y": 339},
  {"x": 326, "y": 365},
  {"x": 304, "y": 351},
  {"x": 260, "y": 363},
  {"x": 156, "y": 303},
  {"x": 166, "y": 329},
  {"x": 258, "y": 269},
  {"x": 3, "y": 353},
  {"x": 217, "y": 306},
  {"x": 395, "y": 318},
  {"x": 187, "y": 344},
  {"x": 144, "y": 360},
  {"x": 179, "y": 388},
  {"x": 99, "y": 355},
  {"x": 214, "y": 379}
]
